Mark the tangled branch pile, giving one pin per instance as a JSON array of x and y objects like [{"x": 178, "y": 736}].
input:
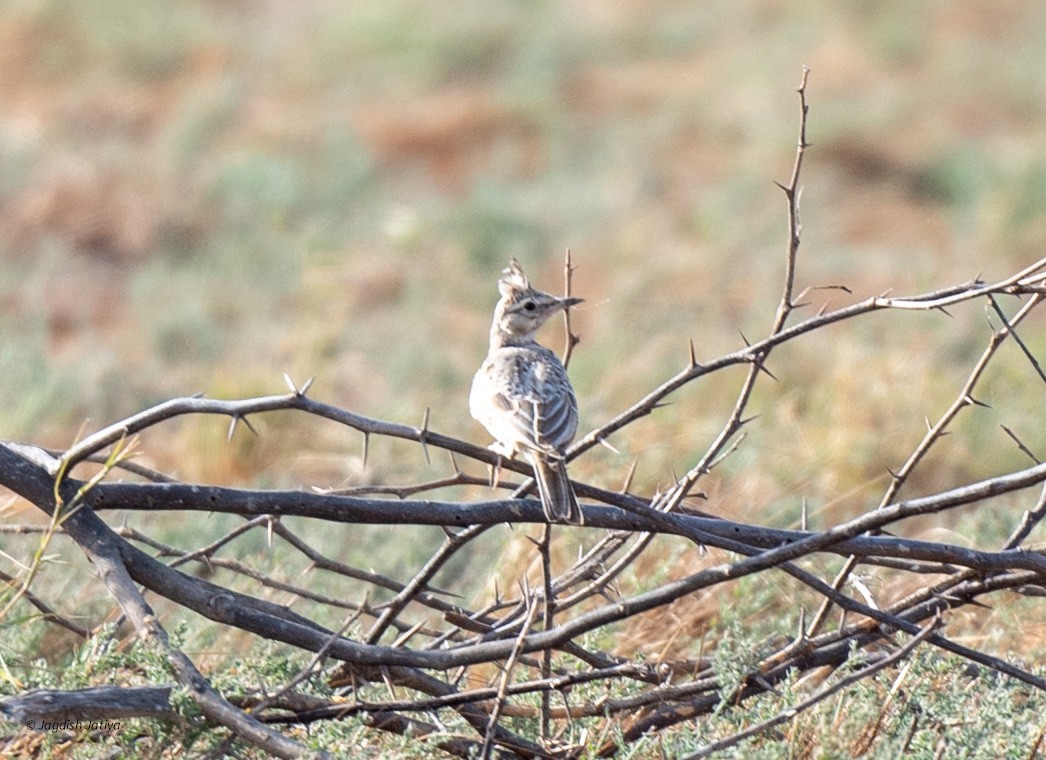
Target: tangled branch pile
[{"x": 430, "y": 648}]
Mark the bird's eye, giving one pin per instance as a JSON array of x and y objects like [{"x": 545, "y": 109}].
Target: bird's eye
[{"x": 529, "y": 306}]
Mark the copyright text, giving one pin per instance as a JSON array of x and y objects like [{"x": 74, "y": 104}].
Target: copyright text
[{"x": 107, "y": 726}]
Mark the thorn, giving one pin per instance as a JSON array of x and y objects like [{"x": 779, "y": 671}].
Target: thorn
[
  {"x": 366, "y": 448},
  {"x": 946, "y": 312},
  {"x": 801, "y": 635},
  {"x": 232, "y": 426},
  {"x": 800, "y": 305},
  {"x": 744, "y": 421},
  {"x": 497, "y": 591},
  {"x": 290, "y": 383},
  {"x": 971, "y": 400},
  {"x": 305, "y": 388},
  {"x": 787, "y": 190},
  {"x": 802, "y": 526},
  {"x": 268, "y": 531},
  {"x": 745, "y": 339},
  {"x": 953, "y": 601},
  {"x": 893, "y": 474},
  {"x": 247, "y": 424},
  {"x": 762, "y": 368},
  {"x": 534, "y": 541},
  {"x": 766, "y": 684},
  {"x": 454, "y": 464},
  {"x": 628, "y": 478},
  {"x": 988, "y": 319},
  {"x": 929, "y": 427},
  {"x": 693, "y": 356},
  {"x": 421, "y": 439},
  {"x": 823, "y": 309},
  {"x": 198, "y": 394},
  {"x": 603, "y": 441}
]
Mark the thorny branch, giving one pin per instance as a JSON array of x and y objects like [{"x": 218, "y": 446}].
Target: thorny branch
[
  {"x": 812, "y": 700},
  {"x": 410, "y": 657},
  {"x": 935, "y": 433}
]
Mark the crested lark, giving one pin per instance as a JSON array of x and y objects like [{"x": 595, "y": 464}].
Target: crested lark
[{"x": 522, "y": 395}]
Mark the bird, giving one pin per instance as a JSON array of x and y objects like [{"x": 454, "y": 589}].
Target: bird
[{"x": 522, "y": 394}]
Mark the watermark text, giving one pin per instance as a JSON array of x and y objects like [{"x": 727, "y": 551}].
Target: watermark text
[{"x": 106, "y": 726}]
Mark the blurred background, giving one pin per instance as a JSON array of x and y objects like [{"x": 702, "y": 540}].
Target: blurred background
[{"x": 201, "y": 196}]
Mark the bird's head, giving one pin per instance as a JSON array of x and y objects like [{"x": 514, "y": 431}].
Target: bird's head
[{"x": 522, "y": 309}]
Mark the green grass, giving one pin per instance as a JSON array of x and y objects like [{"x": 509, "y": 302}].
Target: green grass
[{"x": 924, "y": 704}]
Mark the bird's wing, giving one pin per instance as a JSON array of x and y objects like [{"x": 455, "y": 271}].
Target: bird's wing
[{"x": 535, "y": 405}]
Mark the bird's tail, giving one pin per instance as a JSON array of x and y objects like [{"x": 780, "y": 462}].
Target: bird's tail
[{"x": 557, "y": 495}]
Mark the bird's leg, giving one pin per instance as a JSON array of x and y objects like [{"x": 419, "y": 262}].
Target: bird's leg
[
  {"x": 495, "y": 472},
  {"x": 495, "y": 469}
]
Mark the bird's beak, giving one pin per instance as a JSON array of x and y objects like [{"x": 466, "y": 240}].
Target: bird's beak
[{"x": 566, "y": 303}]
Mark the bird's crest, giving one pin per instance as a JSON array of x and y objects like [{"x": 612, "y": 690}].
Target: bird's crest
[{"x": 513, "y": 279}]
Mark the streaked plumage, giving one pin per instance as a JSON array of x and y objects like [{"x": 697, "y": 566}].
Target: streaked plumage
[{"x": 522, "y": 395}]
